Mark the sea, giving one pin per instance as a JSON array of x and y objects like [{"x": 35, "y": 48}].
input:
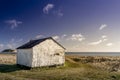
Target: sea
[{"x": 94, "y": 53}]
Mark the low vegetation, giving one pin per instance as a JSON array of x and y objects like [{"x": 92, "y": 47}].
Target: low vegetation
[
  {"x": 75, "y": 68},
  {"x": 8, "y": 50}
]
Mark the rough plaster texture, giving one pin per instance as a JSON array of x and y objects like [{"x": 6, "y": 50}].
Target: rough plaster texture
[
  {"x": 24, "y": 57},
  {"x": 47, "y": 53}
]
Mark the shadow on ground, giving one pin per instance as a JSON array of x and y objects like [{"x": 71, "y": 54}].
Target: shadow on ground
[{"x": 5, "y": 68}]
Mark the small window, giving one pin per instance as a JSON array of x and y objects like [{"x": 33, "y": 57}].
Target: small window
[{"x": 56, "y": 54}]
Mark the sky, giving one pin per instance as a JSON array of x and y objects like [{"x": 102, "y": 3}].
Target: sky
[{"x": 79, "y": 25}]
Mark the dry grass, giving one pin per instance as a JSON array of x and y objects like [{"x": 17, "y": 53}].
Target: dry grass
[
  {"x": 110, "y": 63},
  {"x": 74, "y": 69},
  {"x": 7, "y": 58}
]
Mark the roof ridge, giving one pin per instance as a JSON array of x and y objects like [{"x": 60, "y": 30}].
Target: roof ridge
[{"x": 32, "y": 43}]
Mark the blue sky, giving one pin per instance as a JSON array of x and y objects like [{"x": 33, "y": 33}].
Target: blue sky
[{"x": 79, "y": 25}]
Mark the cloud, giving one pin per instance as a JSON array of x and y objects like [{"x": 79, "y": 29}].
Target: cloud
[
  {"x": 64, "y": 35},
  {"x": 102, "y": 26},
  {"x": 109, "y": 44},
  {"x": 13, "y": 23},
  {"x": 47, "y": 8},
  {"x": 13, "y": 43},
  {"x": 1, "y": 45},
  {"x": 95, "y": 43},
  {"x": 104, "y": 36},
  {"x": 105, "y": 40},
  {"x": 20, "y": 40},
  {"x": 39, "y": 36},
  {"x": 56, "y": 38},
  {"x": 77, "y": 37},
  {"x": 10, "y": 46},
  {"x": 58, "y": 13}
]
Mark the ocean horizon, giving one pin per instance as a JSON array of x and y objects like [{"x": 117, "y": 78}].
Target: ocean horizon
[{"x": 94, "y": 53}]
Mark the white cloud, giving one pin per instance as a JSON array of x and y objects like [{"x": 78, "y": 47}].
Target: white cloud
[
  {"x": 56, "y": 38},
  {"x": 39, "y": 36},
  {"x": 105, "y": 40},
  {"x": 95, "y": 43},
  {"x": 13, "y": 43},
  {"x": 109, "y": 44},
  {"x": 47, "y": 8},
  {"x": 104, "y": 36},
  {"x": 77, "y": 37},
  {"x": 13, "y": 23},
  {"x": 102, "y": 26},
  {"x": 1, "y": 45},
  {"x": 64, "y": 35}
]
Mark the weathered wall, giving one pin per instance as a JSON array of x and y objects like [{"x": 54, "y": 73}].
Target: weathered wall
[
  {"x": 48, "y": 53},
  {"x": 24, "y": 57}
]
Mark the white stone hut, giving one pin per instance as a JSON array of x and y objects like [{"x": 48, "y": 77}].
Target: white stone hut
[{"x": 41, "y": 52}]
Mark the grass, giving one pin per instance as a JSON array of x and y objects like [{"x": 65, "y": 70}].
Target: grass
[{"x": 74, "y": 69}]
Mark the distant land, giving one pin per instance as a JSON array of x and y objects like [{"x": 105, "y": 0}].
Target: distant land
[{"x": 94, "y": 53}]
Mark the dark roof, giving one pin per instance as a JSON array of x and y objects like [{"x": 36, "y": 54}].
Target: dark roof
[{"x": 32, "y": 43}]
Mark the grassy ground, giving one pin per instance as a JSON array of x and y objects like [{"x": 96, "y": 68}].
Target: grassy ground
[{"x": 74, "y": 69}]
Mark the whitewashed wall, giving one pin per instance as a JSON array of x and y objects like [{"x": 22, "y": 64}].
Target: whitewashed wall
[
  {"x": 24, "y": 57},
  {"x": 46, "y": 54}
]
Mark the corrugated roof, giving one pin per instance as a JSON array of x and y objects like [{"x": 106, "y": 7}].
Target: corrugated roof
[{"x": 32, "y": 43}]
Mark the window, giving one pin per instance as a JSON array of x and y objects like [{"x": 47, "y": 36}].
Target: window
[{"x": 58, "y": 52}]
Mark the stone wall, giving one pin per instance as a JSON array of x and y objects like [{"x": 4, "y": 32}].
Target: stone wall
[{"x": 48, "y": 53}]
